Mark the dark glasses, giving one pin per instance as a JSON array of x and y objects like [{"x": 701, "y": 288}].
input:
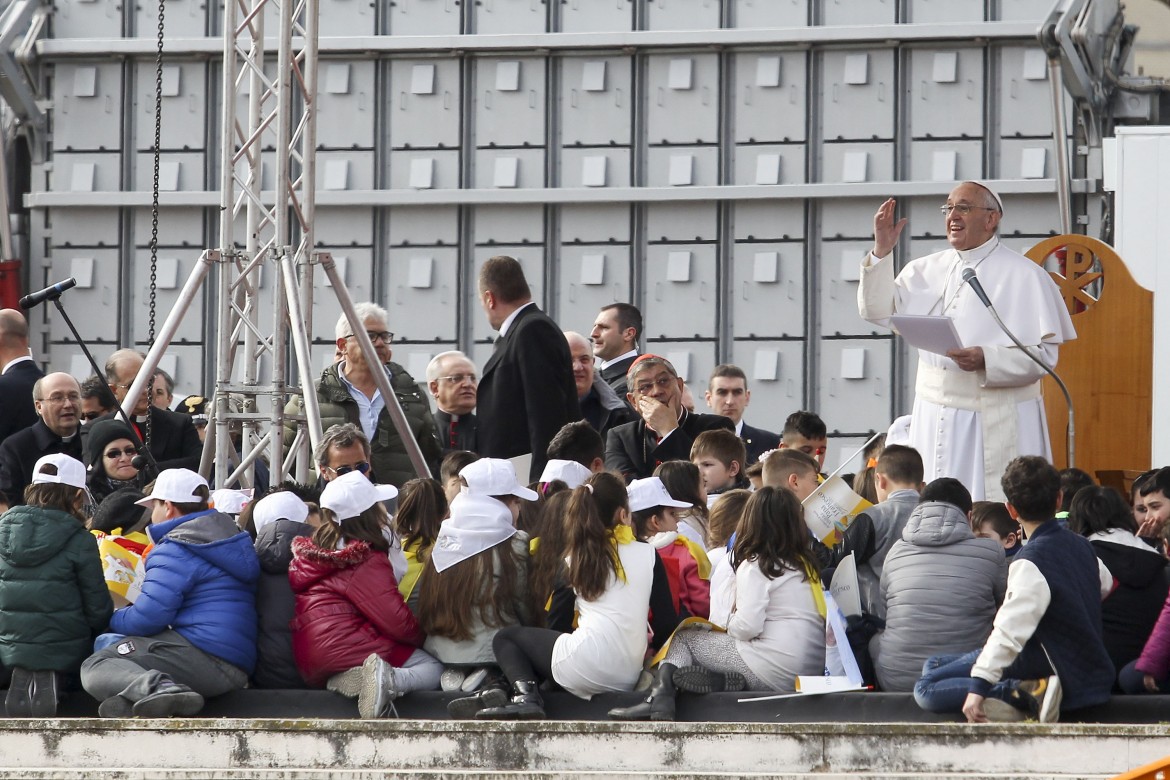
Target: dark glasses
[
  {"x": 341, "y": 471},
  {"x": 129, "y": 452}
]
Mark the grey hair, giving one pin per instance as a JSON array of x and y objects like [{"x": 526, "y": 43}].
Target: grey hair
[
  {"x": 364, "y": 311},
  {"x": 645, "y": 362},
  {"x": 341, "y": 435},
  {"x": 435, "y": 367}
]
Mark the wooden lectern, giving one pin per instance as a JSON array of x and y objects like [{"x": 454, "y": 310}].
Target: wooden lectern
[{"x": 1108, "y": 368}]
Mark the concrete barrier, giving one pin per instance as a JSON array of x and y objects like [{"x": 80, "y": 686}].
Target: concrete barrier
[{"x": 353, "y": 749}]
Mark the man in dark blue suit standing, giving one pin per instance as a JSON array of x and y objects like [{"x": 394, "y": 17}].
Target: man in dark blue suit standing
[
  {"x": 728, "y": 396},
  {"x": 18, "y": 374},
  {"x": 526, "y": 391}
]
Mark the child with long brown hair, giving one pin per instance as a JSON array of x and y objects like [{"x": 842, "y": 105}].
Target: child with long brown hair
[
  {"x": 475, "y": 582},
  {"x": 422, "y": 507},
  {"x": 777, "y": 628},
  {"x": 352, "y": 627},
  {"x": 684, "y": 483},
  {"x": 617, "y": 581}
]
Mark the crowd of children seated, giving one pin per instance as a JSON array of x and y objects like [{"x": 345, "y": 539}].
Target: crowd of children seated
[{"x": 496, "y": 592}]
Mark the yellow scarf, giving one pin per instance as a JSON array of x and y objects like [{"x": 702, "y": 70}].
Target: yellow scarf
[
  {"x": 621, "y": 534},
  {"x": 699, "y": 554},
  {"x": 818, "y": 592},
  {"x": 414, "y": 567}
]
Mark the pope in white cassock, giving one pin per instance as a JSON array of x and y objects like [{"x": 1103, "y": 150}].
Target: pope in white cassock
[{"x": 974, "y": 408}]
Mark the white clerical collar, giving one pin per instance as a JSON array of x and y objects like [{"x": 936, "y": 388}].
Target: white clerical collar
[
  {"x": 972, "y": 257},
  {"x": 12, "y": 363},
  {"x": 511, "y": 317},
  {"x": 607, "y": 363},
  {"x": 739, "y": 427}
]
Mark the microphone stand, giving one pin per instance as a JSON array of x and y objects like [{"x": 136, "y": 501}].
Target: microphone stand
[
  {"x": 144, "y": 451},
  {"x": 1070, "y": 431}
]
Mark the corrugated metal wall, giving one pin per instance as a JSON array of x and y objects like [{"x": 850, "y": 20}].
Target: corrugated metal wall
[{"x": 716, "y": 163}]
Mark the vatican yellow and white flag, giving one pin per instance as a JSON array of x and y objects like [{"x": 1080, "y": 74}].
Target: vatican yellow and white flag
[{"x": 830, "y": 509}]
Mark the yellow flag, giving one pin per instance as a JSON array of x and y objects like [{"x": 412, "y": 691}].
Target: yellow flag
[{"x": 830, "y": 509}]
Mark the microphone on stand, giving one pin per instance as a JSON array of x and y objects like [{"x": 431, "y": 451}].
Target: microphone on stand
[
  {"x": 48, "y": 294},
  {"x": 969, "y": 278}
]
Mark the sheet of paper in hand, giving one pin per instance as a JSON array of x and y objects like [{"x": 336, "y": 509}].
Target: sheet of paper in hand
[{"x": 927, "y": 332}]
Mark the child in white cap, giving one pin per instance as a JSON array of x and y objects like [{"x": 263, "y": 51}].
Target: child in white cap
[
  {"x": 53, "y": 595},
  {"x": 352, "y": 628},
  {"x": 192, "y": 631},
  {"x": 480, "y": 555},
  {"x": 618, "y": 583},
  {"x": 655, "y": 518}
]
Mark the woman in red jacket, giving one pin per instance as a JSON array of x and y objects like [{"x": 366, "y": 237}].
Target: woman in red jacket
[{"x": 352, "y": 629}]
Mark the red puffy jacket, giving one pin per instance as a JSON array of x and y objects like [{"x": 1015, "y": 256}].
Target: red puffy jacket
[{"x": 348, "y": 606}]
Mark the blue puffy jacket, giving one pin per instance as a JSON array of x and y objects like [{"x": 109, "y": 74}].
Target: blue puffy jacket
[{"x": 201, "y": 581}]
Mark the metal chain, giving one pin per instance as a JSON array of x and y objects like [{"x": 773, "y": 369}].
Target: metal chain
[{"x": 158, "y": 88}]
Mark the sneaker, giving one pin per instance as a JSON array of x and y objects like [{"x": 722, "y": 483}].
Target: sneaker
[
  {"x": 451, "y": 679},
  {"x": 18, "y": 702},
  {"x": 1000, "y": 711},
  {"x": 474, "y": 681},
  {"x": 170, "y": 700},
  {"x": 378, "y": 690},
  {"x": 1043, "y": 698},
  {"x": 116, "y": 707},
  {"x": 347, "y": 683},
  {"x": 698, "y": 679}
]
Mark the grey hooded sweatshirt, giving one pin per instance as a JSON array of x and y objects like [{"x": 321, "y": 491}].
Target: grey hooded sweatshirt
[{"x": 941, "y": 588}]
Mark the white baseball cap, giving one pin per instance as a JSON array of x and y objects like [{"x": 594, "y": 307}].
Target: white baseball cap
[
  {"x": 351, "y": 494},
  {"x": 70, "y": 471},
  {"x": 283, "y": 505},
  {"x": 178, "y": 486},
  {"x": 650, "y": 492},
  {"x": 570, "y": 472},
  {"x": 230, "y": 501},
  {"x": 494, "y": 477}
]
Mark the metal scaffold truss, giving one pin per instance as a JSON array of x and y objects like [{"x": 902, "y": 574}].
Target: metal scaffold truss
[{"x": 253, "y": 335}]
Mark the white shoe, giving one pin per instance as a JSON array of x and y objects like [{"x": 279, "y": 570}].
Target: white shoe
[
  {"x": 472, "y": 682},
  {"x": 347, "y": 683},
  {"x": 378, "y": 689},
  {"x": 451, "y": 680}
]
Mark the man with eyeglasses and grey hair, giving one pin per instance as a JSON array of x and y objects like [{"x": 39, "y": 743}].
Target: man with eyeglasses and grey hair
[
  {"x": 57, "y": 399},
  {"x": 666, "y": 429},
  {"x": 452, "y": 380},
  {"x": 979, "y": 406},
  {"x": 348, "y": 392}
]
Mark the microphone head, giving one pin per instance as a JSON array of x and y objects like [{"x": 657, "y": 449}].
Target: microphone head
[
  {"x": 968, "y": 274},
  {"x": 139, "y": 462}
]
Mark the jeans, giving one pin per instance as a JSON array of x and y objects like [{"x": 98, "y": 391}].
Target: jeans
[
  {"x": 1131, "y": 681},
  {"x": 946, "y": 681}
]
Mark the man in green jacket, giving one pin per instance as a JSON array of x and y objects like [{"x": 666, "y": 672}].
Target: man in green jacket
[{"x": 347, "y": 392}]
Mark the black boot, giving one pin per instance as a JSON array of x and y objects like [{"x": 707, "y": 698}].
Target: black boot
[
  {"x": 467, "y": 707},
  {"x": 659, "y": 703},
  {"x": 526, "y": 704}
]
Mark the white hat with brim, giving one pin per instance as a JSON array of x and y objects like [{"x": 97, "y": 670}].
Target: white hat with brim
[
  {"x": 650, "y": 492},
  {"x": 477, "y": 523},
  {"x": 278, "y": 506},
  {"x": 179, "y": 486},
  {"x": 570, "y": 472},
  {"x": 351, "y": 494},
  {"x": 494, "y": 477},
  {"x": 70, "y": 471},
  {"x": 230, "y": 501}
]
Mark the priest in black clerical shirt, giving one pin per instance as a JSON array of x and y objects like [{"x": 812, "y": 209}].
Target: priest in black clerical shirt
[{"x": 452, "y": 381}]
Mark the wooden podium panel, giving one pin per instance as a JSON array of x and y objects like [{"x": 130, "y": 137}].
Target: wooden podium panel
[{"x": 1109, "y": 367}]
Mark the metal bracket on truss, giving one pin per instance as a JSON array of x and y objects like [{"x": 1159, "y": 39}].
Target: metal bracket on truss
[{"x": 21, "y": 24}]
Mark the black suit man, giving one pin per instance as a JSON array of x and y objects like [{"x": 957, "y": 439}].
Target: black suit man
[
  {"x": 58, "y": 404},
  {"x": 174, "y": 442},
  {"x": 20, "y": 373},
  {"x": 666, "y": 430},
  {"x": 615, "y": 343},
  {"x": 728, "y": 396},
  {"x": 526, "y": 393}
]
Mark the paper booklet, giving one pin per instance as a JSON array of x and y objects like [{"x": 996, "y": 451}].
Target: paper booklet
[{"x": 927, "y": 332}]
